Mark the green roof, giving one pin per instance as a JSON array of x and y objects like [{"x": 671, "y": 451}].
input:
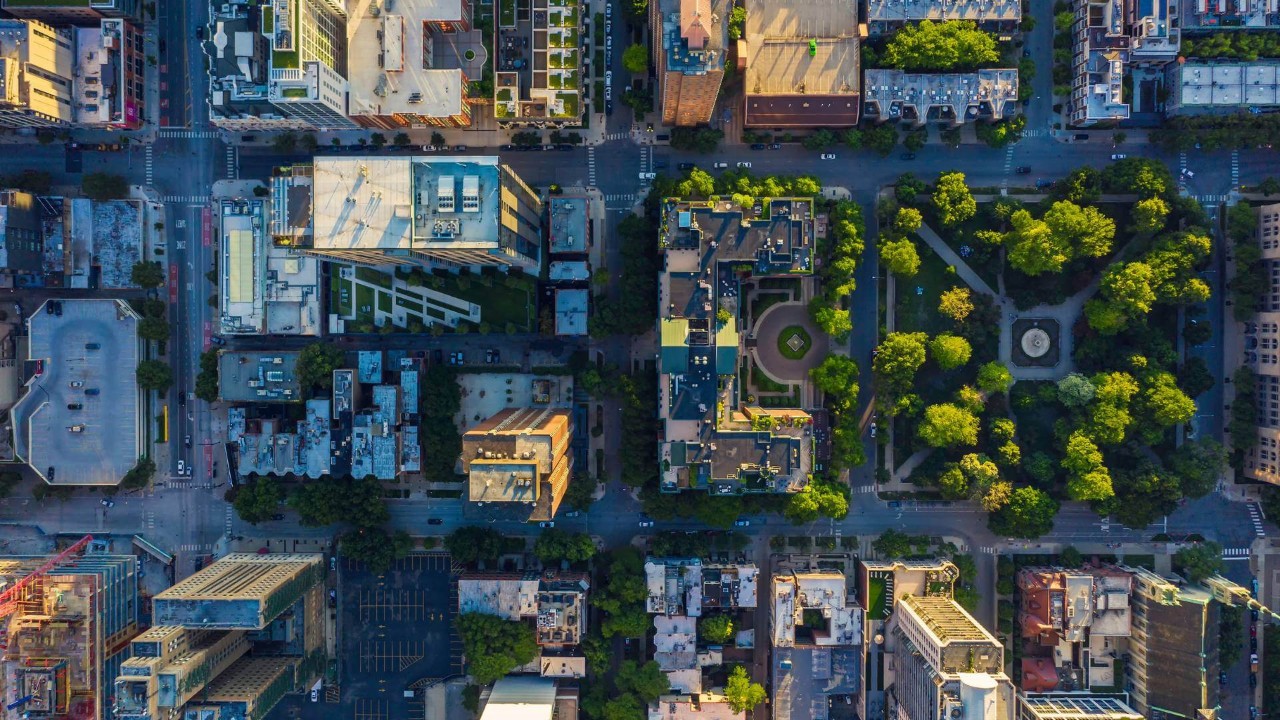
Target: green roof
[{"x": 727, "y": 348}]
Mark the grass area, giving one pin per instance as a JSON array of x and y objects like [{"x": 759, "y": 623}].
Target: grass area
[
  {"x": 1146, "y": 561},
  {"x": 374, "y": 277},
  {"x": 339, "y": 293},
  {"x": 763, "y": 301},
  {"x": 365, "y": 299},
  {"x": 785, "y": 342},
  {"x": 506, "y": 13},
  {"x": 408, "y": 304},
  {"x": 498, "y": 303},
  {"x": 791, "y": 285},
  {"x": 916, "y": 304},
  {"x": 762, "y": 383},
  {"x": 875, "y": 592},
  {"x": 384, "y": 302}
]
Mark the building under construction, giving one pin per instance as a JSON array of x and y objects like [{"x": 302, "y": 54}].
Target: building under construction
[
  {"x": 230, "y": 641},
  {"x": 65, "y": 625}
]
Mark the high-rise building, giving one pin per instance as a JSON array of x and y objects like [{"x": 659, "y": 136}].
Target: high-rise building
[
  {"x": 436, "y": 212},
  {"x": 1262, "y": 353},
  {"x": 84, "y": 13},
  {"x": 248, "y": 689},
  {"x": 1068, "y": 706},
  {"x": 520, "y": 458},
  {"x": 278, "y": 65},
  {"x": 65, "y": 629},
  {"x": 815, "y": 628},
  {"x": 1173, "y": 654},
  {"x": 170, "y": 665},
  {"x": 802, "y": 63},
  {"x": 690, "y": 44},
  {"x": 241, "y": 591},
  {"x": 37, "y": 69},
  {"x": 410, "y": 63},
  {"x": 946, "y": 664}
]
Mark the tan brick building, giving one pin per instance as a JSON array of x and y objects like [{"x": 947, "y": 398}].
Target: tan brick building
[
  {"x": 689, "y": 39},
  {"x": 1262, "y": 353},
  {"x": 520, "y": 457}
]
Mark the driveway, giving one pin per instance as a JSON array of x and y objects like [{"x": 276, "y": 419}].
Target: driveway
[{"x": 776, "y": 319}]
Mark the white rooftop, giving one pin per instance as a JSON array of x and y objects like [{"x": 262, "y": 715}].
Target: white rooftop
[{"x": 390, "y": 59}]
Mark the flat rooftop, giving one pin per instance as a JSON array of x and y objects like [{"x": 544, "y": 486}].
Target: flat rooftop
[
  {"x": 401, "y": 203},
  {"x": 786, "y": 67},
  {"x": 264, "y": 448},
  {"x": 695, "y": 34},
  {"x": 894, "y": 94},
  {"x": 1203, "y": 84},
  {"x": 571, "y": 311},
  {"x": 258, "y": 376},
  {"x": 80, "y": 418},
  {"x": 265, "y": 288},
  {"x": 568, "y": 220},
  {"x": 975, "y": 10},
  {"x": 398, "y": 65}
]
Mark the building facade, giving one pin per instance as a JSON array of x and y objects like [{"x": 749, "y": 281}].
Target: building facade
[
  {"x": 1173, "y": 654},
  {"x": 690, "y": 40},
  {"x": 37, "y": 69},
  {"x": 955, "y": 98},
  {"x": 85, "y": 13},
  {"x": 241, "y": 591},
  {"x": 1262, "y": 354}
]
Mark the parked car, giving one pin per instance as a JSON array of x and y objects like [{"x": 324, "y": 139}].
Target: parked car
[
  {"x": 1118, "y": 156},
  {"x": 108, "y": 502},
  {"x": 1082, "y": 136},
  {"x": 434, "y": 521},
  {"x": 217, "y": 340},
  {"x": 721, "y": 165},
  {"x": 278, "y": 517},
  {"x": 648, "y": 176},
  {"x": 315, "y": 695},
  {"x": 907, "y": 156},
  {"x": 182, "y": 467},
  {"x": 75, "y": 406},
  {"x": 741, "y": 523},
  {"x": 608, "y": 10},
  {"x": 758, "y": 146},
  {"x": 775, "y": 146},
  {"x": 873, "y": 429},
  {"x": 187, "y": 441},
  {"x": 828, "y": 156},
  {"x": 646, "y": 523},
  {"x": 744, "y": 164},
  {"x": 686, "y": 166},
  {"x": 91, "y": 391},
  {"x": 92, "y": 346},
  {"x": 547, "y": 524},
  {"x": 1023, "y": 170},
  {"x": 77, "y": 383},
  {"x": 895, "y": 504},
  {"x": 608, "y": 77}
]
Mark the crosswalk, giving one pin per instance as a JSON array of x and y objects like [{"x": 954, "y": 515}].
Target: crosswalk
[
  {"x": 1040, "y": 132},
  {"x": 1235, "y": 170},
  {"x": 228, "y": 526},
  {"x": 1236, "y": 553},
  {"x": 196, "y": 199},
  {"x": 1182, "y": 171},
  {"x": 150, "y": 162},
  {"x": 986, "y": 549},
  {"x": 591, "y": 166},
  {"x": 188, "y": 134},
  {"x": 646, "y": 159},
  {"x": 617, "y": 136},
  {"x": 1008, "y": 166},
  {"x": 233, "y": 161},
  {"x": 1210, "y": 199},
  {"x": 195, "y": 548},
  {"x": 150, "y": 518},
  {"x": 864, "y": 489},
  {"x": 1255, "y": 516}
]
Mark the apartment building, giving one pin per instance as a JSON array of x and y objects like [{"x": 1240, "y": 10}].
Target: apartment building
[
  {"x": 715, "y": 438},
  {"x": 816, "y": 632},
  {"x": 537, "y": 75},
  {"x": 85, "y": 13},
  {"x": 1110, "y": 37},
  {"x": 520, "y": 460},
  {"x": 555, "y": 602},
  {"x": 1173, "y": 653},
  {"x": 998, "y": 16},
  {"x": 801, "y": 60},
  {"x": 957, "y": 98},
  {"x": 1075, "y": 627},
  {"x": 946, "y": 664},
  {"x": 265, "y": 288},
  {"x": 411, "y": 62},
  {"x": 169, "y": 665},
  {"x": 109, "y": 75},
  {"x": 1035, "y": 706},
  {"x": 435, "y": 212},
  {"x": 690, "y": 42},
  {"x": 278, "y": 65},
  {"x": 241, "y": 591},
  {"x": 1262, "y": 354},
  {"x": 37, "y": 74},
  {"x": 1229, "y": 15},
  {"x": 1200, "y": 88}
]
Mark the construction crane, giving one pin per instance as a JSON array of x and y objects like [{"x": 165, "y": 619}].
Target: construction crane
[{"x": 9, "y": 598}]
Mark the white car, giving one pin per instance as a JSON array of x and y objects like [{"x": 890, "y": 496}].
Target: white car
[
  {"x": 721, "y": 165},
  {"x": 873, "y": 429},
  {"x": 741, "y": 523},
  {"x": 315, "y": 695},
  {"x": 608, "y": 92},
  {"x": 608, "y": 77},
  {"x": 646, "y": 523},
  {"x": 1118, "y": 156},
  {"x": 744, "y": 164},
  {"x": 608, "y": 10},
  {"x": 182, "y": 467},
  {"x": 828, "y": 156},
  {"x": 1188, "y": 173},
  {"x": 648, "y": 176},
  {"x": 608, "y": 26}
]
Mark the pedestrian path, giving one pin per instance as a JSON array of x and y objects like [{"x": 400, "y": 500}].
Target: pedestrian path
[
  {"x": 190, "y": 134},
  {"x": 591, "y": 166},
  {"x": 195, "y": 199},
  {"x": 1040, "y": 132},
  {"x": 1255, "y": 516},
  {"x": 1182, "y": 171}
]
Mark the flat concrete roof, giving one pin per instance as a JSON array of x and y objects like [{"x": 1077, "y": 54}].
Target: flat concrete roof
[
  {"x": 390, "y": 64},
  {"x": 1229, "y": 84},
  {"x": 976, "y": 10},
  {"x": 571, "y": 311},
  {"x": 568, "y": 216},
  {"x": 92, "y": 345},
  {"x": 801, "y": 19},
  {"x": 259, "y": 376},
  {"x": 785, "y": 67}
]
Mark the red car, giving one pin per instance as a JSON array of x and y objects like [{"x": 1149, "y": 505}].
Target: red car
[{"x": 1253, "y": 631}]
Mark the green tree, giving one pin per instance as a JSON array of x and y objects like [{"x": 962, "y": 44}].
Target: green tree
[
  {"x": 140, "y": 475},
  {"x": 832, "y": 320},
  {"x": 1128, "y": 286},
  {"x": 636, "y": 59},
  {"x": 949, "y": 351},
  {"x": 624, "y": 707},
  {"x": 951, "y": 197},
  {"x": 1163, "y": 402},
  {"x": 316, "y": 363},
  {"x": 494, "y": 646},
  {"x": 473, "y": 544},
  {"x": 994, "y": 377},
  {"x": 1109, "y": 416},
  {"x": 146, "y": 274},
  {"x": 1075, "y": 391},
  {"x": 207, "y": 380},
  {"x": 155, "y": 375},
  {"x": 716, "y": 629},
  {"x": 401, "y": 140},
  {"x": 104, "y": 186},
  {"x": 1198, "y": 465},
  {"x": 1149, "y": 215},
  {"x": 377, "y": 140},
  {"x": 374, "y": 547},
  {"x": 948, "y": 425},
  {"x": 1199, "y": 561},
  {"x": 259, "y": 499},
  {"x": 329, "y": 500},
  {"x": 1033, "y": 249},
  {"x": 154, "y": 329},
  {"x": 742, "y": 694},
  {"x": 737, "y": 22},
  {"x": 1085, "y": 231},
  {"x": 646, "y": 681},
  {"x": 956, "y": 303},
  {"x": 555, "y": 545},
  {"x": 630, "y": 622},
  {"x": 900, "y": 257},
  {"x": 701, "y": 140},
  {"x": 907, "y": 221},
  {"x": 1028, "y": 515},
  {"x": 930, "y": 46},
  {"x": 837, "y": 378},
  {"x": 900, "y": 356}
]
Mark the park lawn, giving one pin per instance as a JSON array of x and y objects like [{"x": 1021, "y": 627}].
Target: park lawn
[
  {"x": 365, "y": 298},
  {"x": 384, "y": 302},
  {"x": 499, "y": 304},
  {"x": 374, "y": 277},
  {"x": 875, "y": 591},
  {"x": 339, "y": 294},
  {"x": 763, "y": 301},
  {"x": 918, "y": 311}
]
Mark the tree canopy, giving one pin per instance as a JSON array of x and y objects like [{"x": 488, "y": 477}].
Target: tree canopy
[
  {"x": 900, "y": 356},
  {"x": 948, "y": 425},
  {"x": 473, "y": 544},
  {"x": 952, "y": 198},
  {"x": 742, "y": 694},
  {"x": 900, "y": 257},
  {"x": 259, "y": 499},
  {"x": 949, "y": 351},
  {"x": 1199, "y": 561},
  {"x": 329, "y": 500},
  {"x": 374, "y": 547},
  {"x": 155, "y": 375},
  {"x": 994, "y": 377},
  {"x": 146, "y": 274},
  {"x": 1029, "y": 514},
  {"x": 554, "y": 545},
  {"x": 636, "y": 59},
  {"x": 956, "y": 303},
  {"x": 716, "y": 629},
  {"x": 316, "y": 363},
  {"x": 940, "y": 46},
  {"x": 494, "y": 646},
  {"x": 646, "y": 681}
]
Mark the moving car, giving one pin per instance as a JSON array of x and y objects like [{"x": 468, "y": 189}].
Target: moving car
[
  {"x": 1118, "y": 156},
  {"x": 648, "y": 176},
  {"x": 741, "y": 523},
  {"x": 721, "y": 165},
  {"x": 873, "y": 429},
  {"x": 775, "y": 146},
  {"x": 686, "y": 166},
  {"x": 434, "y": 521},
  {"x": 646, "y": 523},
  {"x": 108, "y": 502},
  {"x": 1023, "y": 170},
  {"x": 744, "y": 164},
  {"x": 758, "y": 146},
  {"x": 547, "y": 524},
  {"x": 182, "y": 467},
  {"x": 75, "y": 406},
  {"x": 187, "y": 441},
  {"x": 828, "y": 156}
]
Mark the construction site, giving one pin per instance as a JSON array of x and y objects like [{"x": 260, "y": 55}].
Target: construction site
[{"x": 65, "y": 623}]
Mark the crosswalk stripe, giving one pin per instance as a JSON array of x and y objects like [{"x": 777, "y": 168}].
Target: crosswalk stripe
[
  {"x": 591, "y": 166},
  {"x": 185, "y": 199},
  {"x": 232, "y": 152},
  {"x": 1236, "y": 552},
  {"x": 150, "y": 164},
  {"x": 188, "y": 134}
]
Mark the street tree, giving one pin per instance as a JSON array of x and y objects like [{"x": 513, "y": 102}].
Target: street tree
[
  {"x": 1028, "y": 515},
  {"x": 948, "y": 425},
  {"x": 1198, "y": 464},
  {"x": 900, "y": 257},
  {"x": 1109, "y": 416},
  {"x": 472, "y": 544},
  {"x": 742, "y": 694},
  {"x": 374, "y": 547},
  {"x": 155, "y": 375},
  {"x": 646, "y": 681},
  {"x": 907, "y": 221},
  {"x": 636, "y": 59},
  {"x": 315, "y": 366},
  {"x": 207, "y": 379},
  {"x": 258, "y": 499},
  {"x": 1199, "y": 561},
  {"x": 1091, "y": 486},
  {"x": 555, "y": 545},
  {"x": 154, "y": 329},
  {"x": 1163, "y": 402},
  {"x": 952, "y": 198},
  {"x": 146, "y": 274},
  {"x": 949, "y": 351},
  {"x": 956, "y": 303},
  {"x": 1084, "y": 231},
  {"x": 837, "y": 378}
]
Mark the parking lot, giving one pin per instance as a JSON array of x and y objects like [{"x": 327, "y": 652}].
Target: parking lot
[{"x": 395, "y": 629}]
